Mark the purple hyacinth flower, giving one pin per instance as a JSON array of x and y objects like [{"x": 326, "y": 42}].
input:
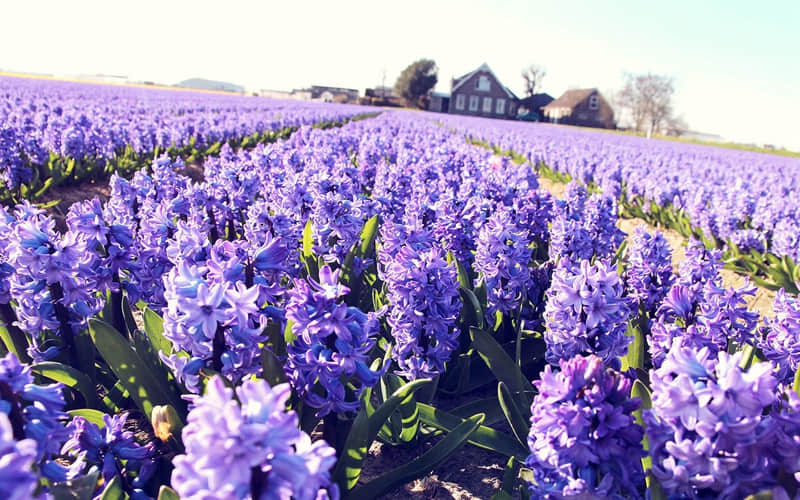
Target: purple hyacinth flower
[
  {"x": 583, "y": 439},
  {"x": 250, "y": 447},
  {"x": 332, "y": 344},
  {"x": 586, "y": 312}
]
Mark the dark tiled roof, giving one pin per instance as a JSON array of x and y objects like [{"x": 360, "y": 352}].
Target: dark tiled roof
[
  {"x": 571, "y": 98},
  {"x": 536, "y": 101}
]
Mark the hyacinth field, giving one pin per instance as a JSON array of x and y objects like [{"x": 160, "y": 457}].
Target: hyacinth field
[{"x": 345, "y": 279}]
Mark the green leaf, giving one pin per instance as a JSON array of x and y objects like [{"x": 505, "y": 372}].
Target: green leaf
[
  {"x": 127, "y": 315},
  {"x": 654, "y": 488},
  {"x": 409, "y": 415},
  {"x": 142, "y": 385},
  {"x": 368, "y": 235},
  {"x": 272, "y": 368},
  {"x": 80, "y": 488},
  {"x": 637, "y": 349},
  {"x": 501, "y": 364},
  {"x": 70, "y": 377},
  {"x": 509, "y": 480},
  {"x": 93, "y": 416},
  {"x": 488, "y": 406},
  {"x": 514, "y": 415},
  {"x": 308, "y": 257},
  {"x": 15, "y": 340},
  {"x": 639, "y": 390},
  {"x": 154, "y": 328},
  {"x": 437, "y": 455},
  {"x": 308, "y": 240},
  {"x": 114, "y": 490},
  {"x": 45, "y": 186},
  {"x": 796, "y": 385},
  {"x": 471, "y": 311},
  {"x": 167, "y": 493},
  {"x": 485, "y": 437},
  {"x": 463, "y": 274},
  {"x": 364, "y": 431}
]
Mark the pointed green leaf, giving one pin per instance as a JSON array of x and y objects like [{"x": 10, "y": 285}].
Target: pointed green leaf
[
  {"x": 514, "y": 415},
  {"x": 142, "y": 385},
  {"x": 127, "y": 315},
  {"x": 154, "y": 328},
  {"x": 796, "y": 385},
  {"x": 364, "y": 431},
  {"x": 167, "y": 493},
  {"x": 501, "y": 364},
  {"x": 308, "y": 240},
  {"x": 471, "y": 312},
  {"x": 93, "y": 416},
  {"x": 409, "y": 415},
  {"x": 15, "y": 340},
  {"x": 485, "y": 437},
  {"x": 114, "y": 490},
  {"x": 368, "y": 235},
  {"x": 70, "y": 377},
  {"x": 272, "y": 368},
  {"x": 509, "y": 481}
]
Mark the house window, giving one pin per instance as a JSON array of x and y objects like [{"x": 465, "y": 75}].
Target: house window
[
  {"x": 483, "y": 83},
  {"x": 593, "y": 102},
  {"x": 487, "y": 104},
  {"x": 500, "y": 107},
  {"x": 460, "y": 101},
  {"x": 473, "y": 103}
]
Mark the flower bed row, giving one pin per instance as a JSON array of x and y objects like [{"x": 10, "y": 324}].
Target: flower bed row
[
  {"x": 741, "y": 202},
  {"x": 314, "y": 295},
  {"x": 55, "y": 132}
]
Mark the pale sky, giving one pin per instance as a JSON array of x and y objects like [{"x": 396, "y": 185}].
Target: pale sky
[{"x": 736, "y": 63}]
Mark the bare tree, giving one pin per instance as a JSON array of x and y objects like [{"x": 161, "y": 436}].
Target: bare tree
[
  {"x": 648, "y": 98},
  {"x": 533, "y": 76}
]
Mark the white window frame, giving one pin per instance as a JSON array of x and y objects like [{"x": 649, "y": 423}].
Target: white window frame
[
  {"x": 473, "y": 102},
  {"x": 483, "y": 79},
  {"x": 500, "y": 106},
  {"x": 594, "y": 102},
  {"x": 487, "y": 104},
  {"x": 460, "y": 100}
]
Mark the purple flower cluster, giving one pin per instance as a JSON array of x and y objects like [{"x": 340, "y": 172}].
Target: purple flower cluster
[
  {"x": 781, "y": 344},
  {"x": 699, "y": 312},
  {"x": 586, "y": 312},
  {"x": 13, "y": 168},
  {"x": 113, "y": 450},
  {"x": 585, "y": 226},
  {"x": 94, "y": 124},
  {"x": 53, "y": 282},
  {"x": 648, "y": 275},
  {"x": 331, "y": 346},
  {"x": 17, "y": 479},
  {"x": 502, "y": 257},
  {"x": 250, "y": 447},
  {"x": 422, "y": 289},
  {"x": 217, "y": 304},
  {"x": 583, "y": 439},
  {"x": 34, "y": 411},
  {"x": 717, "y": 430}
]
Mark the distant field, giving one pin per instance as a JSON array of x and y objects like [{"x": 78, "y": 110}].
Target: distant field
[
  {"x": 729, "y": 145},
  {"x": 117, "y": 84}
]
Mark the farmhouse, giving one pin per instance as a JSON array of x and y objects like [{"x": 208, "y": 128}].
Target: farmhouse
[
  {"x": 583, "y": 107},
  {"x": 531, "y": 108},
  {"x": 480, "y": 93}
]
